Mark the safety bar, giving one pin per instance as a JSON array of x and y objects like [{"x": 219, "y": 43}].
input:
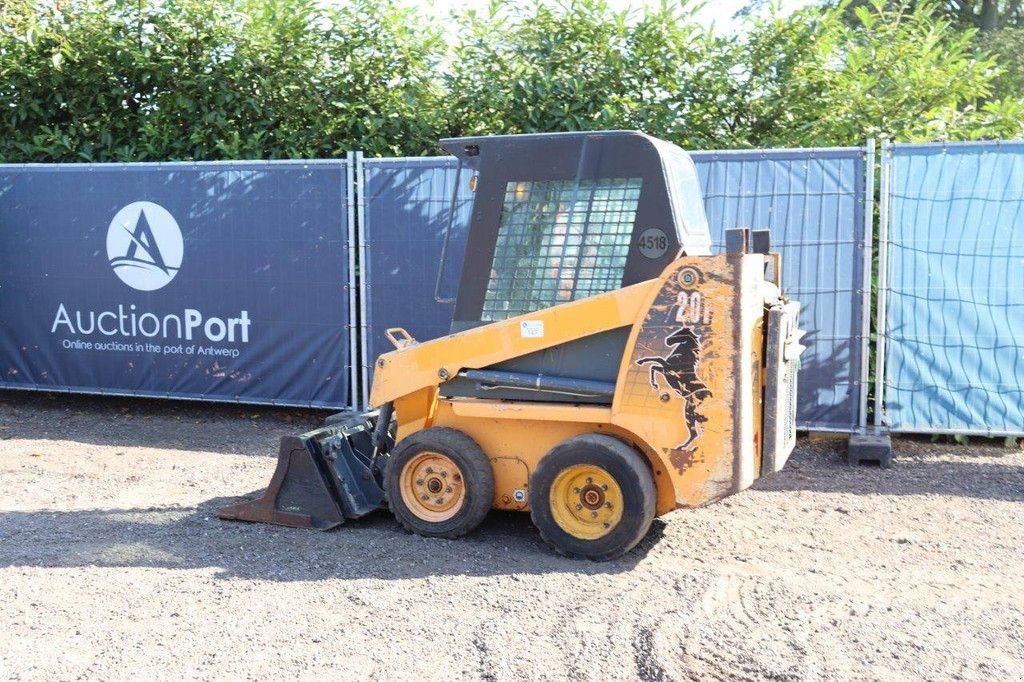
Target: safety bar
[{"x": 405, "y": 340}]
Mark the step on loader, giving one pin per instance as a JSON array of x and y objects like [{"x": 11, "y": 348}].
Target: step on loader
[{"x": 604, "y": 367}]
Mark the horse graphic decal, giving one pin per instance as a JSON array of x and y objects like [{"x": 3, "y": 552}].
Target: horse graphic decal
[{"x": 679, "y": 371}]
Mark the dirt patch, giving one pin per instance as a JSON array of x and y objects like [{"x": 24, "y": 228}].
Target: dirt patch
[{"x": 112, "y": 565}]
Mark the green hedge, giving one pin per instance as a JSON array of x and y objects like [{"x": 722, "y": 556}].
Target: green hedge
[{"x": 119, "y": 80}]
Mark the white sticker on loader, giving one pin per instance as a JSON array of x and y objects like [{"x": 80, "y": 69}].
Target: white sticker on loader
[{"x": 531, "y": 329}]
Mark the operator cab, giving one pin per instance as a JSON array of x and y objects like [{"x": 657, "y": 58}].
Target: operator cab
[{"x": 560, "y": 217}]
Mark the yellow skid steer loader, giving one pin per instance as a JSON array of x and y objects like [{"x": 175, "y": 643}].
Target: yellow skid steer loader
[{"x": 603, "y": 368}]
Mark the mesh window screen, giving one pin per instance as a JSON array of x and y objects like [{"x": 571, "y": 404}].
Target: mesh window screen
[{"x": 560, "y": 241}]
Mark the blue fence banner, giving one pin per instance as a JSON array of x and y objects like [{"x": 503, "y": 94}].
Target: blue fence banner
[
  {"x": 954, "y": 316},
  {"x": 812, "y": 200},
  {"x": 407, "y": 207},
  {"x": 216, "y": 281}
]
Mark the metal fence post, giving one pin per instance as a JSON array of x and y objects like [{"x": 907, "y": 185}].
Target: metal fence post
[
  {"x": 353, "y": 318},
  {"x": 869, "y": 221},
  {"x": 364, "y": 326},
  {"x": 883, "y": 277}
]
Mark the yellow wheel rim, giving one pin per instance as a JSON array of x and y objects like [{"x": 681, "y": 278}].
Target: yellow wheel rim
[
  {"x": 586, "y": 501},
  {"x": 432, "y": 487}
]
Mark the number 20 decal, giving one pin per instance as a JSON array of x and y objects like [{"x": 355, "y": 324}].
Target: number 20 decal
[{"x": 690, "y": 308}]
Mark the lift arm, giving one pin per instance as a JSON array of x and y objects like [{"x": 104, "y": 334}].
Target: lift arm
[{"x": 422, "y": 365}]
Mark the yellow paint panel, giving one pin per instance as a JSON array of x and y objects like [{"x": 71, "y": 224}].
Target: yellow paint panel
[
  {"x": 530, "y": 432},
  {"x": 514, "y": 476},
  {"x": 403, "y": 371},
  {"x": 522, "y": 410},
  {"x": 677, "y": 383}
]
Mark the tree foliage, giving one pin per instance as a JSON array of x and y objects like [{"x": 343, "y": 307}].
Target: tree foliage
[
  {"x": 999, "y": 26},
  {"x": 810, "y": 78},
  {"x": 544, "y": 68},
  {"x": 102, "y": 80},
  {"x": 1007, "y": 46},
  {"x": 986, "y": 15},
  {"x": 106, "y": 80},
  {"x": 908, "y": 75}
]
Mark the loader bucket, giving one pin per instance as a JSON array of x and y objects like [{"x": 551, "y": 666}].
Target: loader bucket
[{"x": 322, "y": 478}]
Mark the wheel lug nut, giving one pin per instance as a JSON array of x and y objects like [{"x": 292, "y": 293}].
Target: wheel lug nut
[
  {"x": 444, "y": 474},
  {"x": 576, "y": 490},
  {"x": 589, "y": 479},
  {"x": 607, "y": 525},
  {"x": 419, "y": 481},
  {"x": 425, "y": 497},
  {"x": 608, "y": 504},
  {"x": 593, "y": 514},
  {"x": 448, "y": 489},
  {"x": 579, "y": 506},
  {"x": 440, "y": 500},
  {"x": 604, "y": 487}
]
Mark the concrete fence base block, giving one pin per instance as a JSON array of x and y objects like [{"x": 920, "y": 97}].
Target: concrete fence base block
[{"x": 873, "y": 445}]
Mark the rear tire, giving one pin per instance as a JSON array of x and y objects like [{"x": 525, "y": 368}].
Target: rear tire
[
  {"x": 592, "y": 497},
  {"x": 439, "y": 483}
]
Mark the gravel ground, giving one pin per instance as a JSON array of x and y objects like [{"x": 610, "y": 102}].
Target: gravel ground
[{"x": 113, "y": 566}]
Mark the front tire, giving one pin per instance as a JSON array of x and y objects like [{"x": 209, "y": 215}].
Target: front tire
[
  {"x": 592, "y": 497},
  {"x": 439, "y": 483}
]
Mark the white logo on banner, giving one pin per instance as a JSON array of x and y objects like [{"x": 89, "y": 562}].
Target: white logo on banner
[{"x": 144, "y": 246}]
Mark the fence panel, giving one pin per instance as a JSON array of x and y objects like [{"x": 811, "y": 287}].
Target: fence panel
[
  {"x": 812, "y": 200},
  {"x": 953, "y": 312},
  {"x": 212, "y": 281},
  {"x": 405, "y": 207}
]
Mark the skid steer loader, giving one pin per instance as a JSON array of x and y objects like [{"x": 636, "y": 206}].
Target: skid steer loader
[{"x": 603, "y": 368}]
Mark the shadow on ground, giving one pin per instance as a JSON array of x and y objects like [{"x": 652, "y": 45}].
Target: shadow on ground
[
  {"x": 921, "y": 468},
  {"x": 375, "y": 547},
  {"x": 372, "y": 547}
]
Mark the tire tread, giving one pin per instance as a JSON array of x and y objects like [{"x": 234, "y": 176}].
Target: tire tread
[
  {"x": 476, "y": 468},
  {"x": 634, "y": 462}
]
